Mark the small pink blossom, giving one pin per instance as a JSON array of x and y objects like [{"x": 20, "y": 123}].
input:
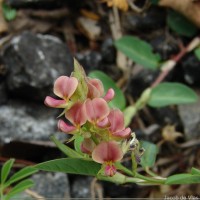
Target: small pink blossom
[
  {"x": 107, "y": 153},
  {"x": 97, "y": 109},
  {"x": 64, "y": 87},
  {"x": 95, "y": 88},
  {"x": 109, "y": 95},
  {"x": 87, "y": 146},
  {"x": 117, "y": 128},
  {"x": 110, "y": 169},
  {"x": 77, "y": 114},
  {"x": 66, "y": 128}
]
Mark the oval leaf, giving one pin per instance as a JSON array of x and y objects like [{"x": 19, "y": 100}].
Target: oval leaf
[
  {"x": 171, "y": 93},
  {"x": 65, "y": 149},
  {"x": 23, "y": 173},
  {"x": 71, "y": 166},
  {"x": 183, "y": 179},
  {"x": 195, "y": 171},
  {"x": 8, "y": 12},
  {"x": 139, "y": 51},
  {"x": 20, "y": 187},
  {"x": 149, "y": 157},
  {"x": 6, "y": 170},
  {"x": 197, "y": 52},
  {"x": 180, "y": 24},
  {"x": 119, "y": 99}
]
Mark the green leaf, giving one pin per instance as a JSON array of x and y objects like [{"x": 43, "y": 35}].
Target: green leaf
[
  {"x": 6, "y": 170},
  {"x": 171, "y": 93},
  {"x": 20, "y": 187},
  {"x": 183, "y": 179},
  {"x": 180, "y": 24},
  {"x": 8, "y": 12},
  {"x": 197, "y": 52},
  {"x": 139, "y": 51},
  {"x": 82, "y": 89},
  {"x": 23, "y": 173},
  {"x": 65, "y": 149},
  {"x": 119, "y": 100},
  {"x": 195, "y": 171},
  {"x": 149, "y": 157},
  {"x": 129, "y": 113},
  {"x": 71, "y": 166},
  {"x": 77, "y": 143}
]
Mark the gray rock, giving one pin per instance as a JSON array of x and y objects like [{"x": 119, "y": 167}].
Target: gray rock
[
  {"x": 153, "y": 19},
  {"x": 90, "y": 60},
  {"x": 34, "y": 61},
  {"x": 51, "y": 185},
  {"x": 81, "y": 187},
  {"x": 190, "y": 117},
  {"x": 27, "y": 122}
]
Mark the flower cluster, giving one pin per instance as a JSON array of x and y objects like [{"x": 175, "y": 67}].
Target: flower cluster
[{"x": 88, "y": 114}]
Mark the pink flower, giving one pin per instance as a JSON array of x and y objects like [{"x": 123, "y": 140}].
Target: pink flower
[
  {"x": 76, "y": 115},
  {"x": 64, "y": 87},
  {"x": 117, "y": 128},
  {"x": 97, "y": 109},
  {"x": 87, "y": 146},
  {"x": 96, "y": 89},
  {"x": 107, "y": 153}
]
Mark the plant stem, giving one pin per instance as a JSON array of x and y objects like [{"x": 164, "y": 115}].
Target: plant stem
[
  {"x": 1, "y": 192},
  {"x": 149, "y": 179}
]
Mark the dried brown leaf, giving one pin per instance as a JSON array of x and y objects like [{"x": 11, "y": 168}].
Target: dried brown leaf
[
  {"x": 3, "y": 24},
  {"x": 189, "y": 8}
]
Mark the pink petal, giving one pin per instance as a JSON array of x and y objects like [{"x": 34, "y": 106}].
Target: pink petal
[
  {"x": 87, "y": 146},
  {"x": 64, "y": 86},
  {"x": 123, "y": 134},
  {"x": 66, "y": 128},
  {"x": 109, "y": 95},
  {"x": 95, "y": 88},
  {"x": 103, "y": 123},
  {"x": 116, "y": 119},
  {"x": 54, "y": 103},
  {"x": 77, "y": 114},
  {"x": 107, "y": 151},
  {"x": 110, "y": 170},
  {"x": 97, "y": 109}
]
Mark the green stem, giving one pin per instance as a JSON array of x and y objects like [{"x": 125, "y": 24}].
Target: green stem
[
  {"x": 150, "y": 179},
  {"x": 1, "y": 192}
]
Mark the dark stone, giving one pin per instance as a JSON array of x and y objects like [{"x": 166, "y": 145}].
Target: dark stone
[
  {"x": 51, "y": 185},
  {"x": 154, "y": 18},
  {"x": 112, "y": 190},
  {"x": 3, "y": 94},
  {"x": 21, "y": 121},
  {"x": 90, "y": 60},
  {"x": 33, "y": 63},
  {"x": 190, "y": 117},
  {"x": 140, "y": 81},
  {"x": 81, "y": 187},
  {"x": 166, "y": 115},
  {"x": 166, "y": 47},
  {"x": 108, "y": 51},
  {"x": 49, "y": 4},
  {"x": 191, "y": 69}
]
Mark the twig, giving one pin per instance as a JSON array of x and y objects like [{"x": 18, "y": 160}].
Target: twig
[
  {"x": 34, "y": 194},
  {"x": 170, "y": 64},
  {"x": 115, "y": 27}
]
